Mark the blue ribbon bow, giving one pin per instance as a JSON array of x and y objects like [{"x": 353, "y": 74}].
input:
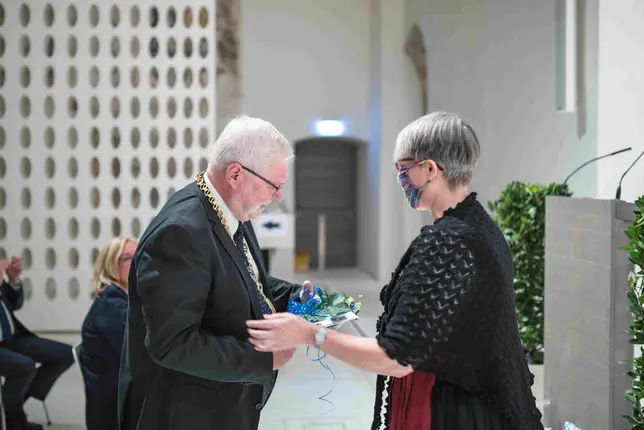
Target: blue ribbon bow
[{"x": 306, "y": 305}]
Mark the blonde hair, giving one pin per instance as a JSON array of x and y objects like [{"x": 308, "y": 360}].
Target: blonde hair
[{"x": 106, "y": 267}]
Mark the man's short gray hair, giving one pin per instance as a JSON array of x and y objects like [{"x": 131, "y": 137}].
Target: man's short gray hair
[
  {"x": 250, "y": 141},
  {"x": 445, "y": 138}
]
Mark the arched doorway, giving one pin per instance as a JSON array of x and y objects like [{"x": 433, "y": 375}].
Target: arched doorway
[{"x": 326, "y": 183}]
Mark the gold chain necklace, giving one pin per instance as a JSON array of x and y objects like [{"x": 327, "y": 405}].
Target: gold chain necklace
[{"x": 222, "y": 218}]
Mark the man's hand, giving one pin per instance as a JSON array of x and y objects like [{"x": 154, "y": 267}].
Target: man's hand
[
  {"x": 280, "y": 358},
  {"x": 14, "y": 270}
]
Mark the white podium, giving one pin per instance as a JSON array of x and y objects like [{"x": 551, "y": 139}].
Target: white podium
[
  {"x": 275, "y": 232},
  {"x": 586, "y": 313}
]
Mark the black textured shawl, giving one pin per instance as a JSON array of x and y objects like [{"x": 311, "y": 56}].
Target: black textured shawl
[{"x": 450, "y": 310}]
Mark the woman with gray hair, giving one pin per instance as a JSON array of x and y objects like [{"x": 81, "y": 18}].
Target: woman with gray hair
[{"x": 447, "y": 352}]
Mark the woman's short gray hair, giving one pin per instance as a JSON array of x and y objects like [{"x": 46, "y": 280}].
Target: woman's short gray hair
[
  {"x": 250, "y": 141},
  {"x": 445, "y": 138}
]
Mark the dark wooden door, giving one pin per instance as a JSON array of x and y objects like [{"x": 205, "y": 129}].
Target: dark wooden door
[{"x": 325, "y": 171}]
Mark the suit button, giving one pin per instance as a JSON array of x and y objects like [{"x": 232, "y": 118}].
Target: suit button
[{"x": 258, "y": 406}]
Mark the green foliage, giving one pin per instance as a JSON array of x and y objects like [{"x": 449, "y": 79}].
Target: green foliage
[
  {"x": 520, "y": 213},
  {"x": 333, "y": 305},
  {"x": 635, "y": 248}
]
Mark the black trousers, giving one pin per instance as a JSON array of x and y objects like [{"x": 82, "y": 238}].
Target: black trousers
[{"x": 18, "y": 358}]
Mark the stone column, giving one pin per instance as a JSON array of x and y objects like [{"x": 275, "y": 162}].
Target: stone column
[{"x": 228, "y": 68}]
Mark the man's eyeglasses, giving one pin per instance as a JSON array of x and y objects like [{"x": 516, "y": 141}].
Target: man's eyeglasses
[{"x": 272, "y": 185}]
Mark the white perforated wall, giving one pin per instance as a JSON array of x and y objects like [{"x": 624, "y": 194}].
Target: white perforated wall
[{"x": 105, "y": 109}]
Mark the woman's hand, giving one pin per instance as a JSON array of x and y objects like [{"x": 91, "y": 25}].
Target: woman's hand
[
  {"x": 286, "y": 331},
  {"x": 280, "y": 331}
]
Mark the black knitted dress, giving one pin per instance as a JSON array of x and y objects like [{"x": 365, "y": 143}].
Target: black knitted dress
[{"x": 450, "y": 311}]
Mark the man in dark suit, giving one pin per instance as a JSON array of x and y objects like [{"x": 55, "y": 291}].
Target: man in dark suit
[
  {"x": 196, "y": 277},
  {"x": 20, "y": 350}
]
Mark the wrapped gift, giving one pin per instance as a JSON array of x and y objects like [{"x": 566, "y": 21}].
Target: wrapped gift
[{"x": 329, "y": 310}]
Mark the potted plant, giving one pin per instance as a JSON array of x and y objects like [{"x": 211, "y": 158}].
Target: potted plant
[
  {"x": 635, "y": 248},
  {"x": 520, "y": 213}
]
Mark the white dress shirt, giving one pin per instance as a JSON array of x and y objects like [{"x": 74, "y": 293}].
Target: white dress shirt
[{"x": 230, "y": 219}]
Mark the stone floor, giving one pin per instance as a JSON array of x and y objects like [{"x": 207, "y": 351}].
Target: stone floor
[{"x": 295, "y": 404}]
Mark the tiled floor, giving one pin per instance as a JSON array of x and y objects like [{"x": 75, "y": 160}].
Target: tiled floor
[{"x": 295, "y": 404}]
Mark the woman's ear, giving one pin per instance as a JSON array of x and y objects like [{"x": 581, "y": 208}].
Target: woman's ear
[{"x": 432, "y": 170}]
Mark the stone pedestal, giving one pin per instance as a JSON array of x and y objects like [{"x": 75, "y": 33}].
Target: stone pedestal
[{"x": 586, "y": 313}]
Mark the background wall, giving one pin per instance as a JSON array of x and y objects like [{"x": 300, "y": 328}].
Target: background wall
[
  {"x": 303, "y": 61},
  {"x": 621, "y": 86},
  {"x": 105, "y": 110},
  {"x": 494, "y": 62},
  {"x": 491, "y": 61}
]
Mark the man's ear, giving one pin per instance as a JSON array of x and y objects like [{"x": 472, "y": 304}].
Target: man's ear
[{"x": 233, "y": 174}]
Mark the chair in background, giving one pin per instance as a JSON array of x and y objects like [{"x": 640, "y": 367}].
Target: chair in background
[
  {"x": 76, "y": 353},
  {"x": 3, "y": 424},
  {"x": 3, "y": 418},
  {"x": 44, "y": 406}
]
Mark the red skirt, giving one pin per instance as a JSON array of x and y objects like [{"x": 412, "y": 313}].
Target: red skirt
[{"x": 410, "y": 402}]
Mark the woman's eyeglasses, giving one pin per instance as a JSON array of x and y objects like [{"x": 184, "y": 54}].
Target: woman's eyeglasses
[{"x": 406, "y": 167}]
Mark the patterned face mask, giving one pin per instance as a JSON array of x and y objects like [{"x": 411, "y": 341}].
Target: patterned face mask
[{"x": 412, "y": 192}]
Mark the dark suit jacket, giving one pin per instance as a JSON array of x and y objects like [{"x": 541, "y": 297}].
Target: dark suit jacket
[
  {"x": 187, "y": 363},
  {"x": 14, "y": 299},
  {"x": 100, "y": 356}
]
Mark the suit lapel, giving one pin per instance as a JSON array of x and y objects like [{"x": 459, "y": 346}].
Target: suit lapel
[
  {"x": 256, "y": 252},
  {"x": 228, "y": 244}
]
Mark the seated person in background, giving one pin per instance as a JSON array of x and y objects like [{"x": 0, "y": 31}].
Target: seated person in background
[
  {"x": 20, "y": 350},
  {"x": 102, "y": 333}
]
